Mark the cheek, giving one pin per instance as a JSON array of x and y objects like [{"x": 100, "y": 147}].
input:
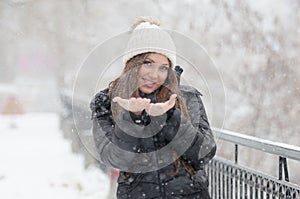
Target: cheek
[
  {"x": 141, "y": 72},
  {"x": 163, "y": 77}
]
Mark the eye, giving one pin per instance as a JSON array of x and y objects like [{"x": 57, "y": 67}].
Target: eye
[
  {"x": 163, "y": 68},
  {"x": 147, "y": 63}
]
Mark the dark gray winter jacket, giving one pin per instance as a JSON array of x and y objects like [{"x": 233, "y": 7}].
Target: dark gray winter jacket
[{"x": 142, "y": 155}]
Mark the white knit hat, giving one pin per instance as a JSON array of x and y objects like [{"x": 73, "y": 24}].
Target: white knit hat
[{"x": 147, "y": 37}]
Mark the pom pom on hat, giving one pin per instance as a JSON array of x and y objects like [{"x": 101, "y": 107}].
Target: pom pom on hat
[{"x": 147, "y": 36}]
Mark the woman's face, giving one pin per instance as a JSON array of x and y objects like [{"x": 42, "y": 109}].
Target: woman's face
[{"x": 153, "y": 72}]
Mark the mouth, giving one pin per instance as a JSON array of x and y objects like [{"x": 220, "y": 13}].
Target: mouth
[{"x": 148, "y": 83}]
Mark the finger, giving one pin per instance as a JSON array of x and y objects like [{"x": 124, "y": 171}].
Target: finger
[
  {"x": 116, "y": 99},
  {"x": 119, "y": 100},
  {"x": 148, "y": 107},
  {"x": 172, "y": 99},
  {"x": 143, "y": 99},
  {"x": 122, "y": 102},
  {"x": 139, "y": 100},
  {"x": 146, "y": 101},
  {"x": 143, "y": 102}
]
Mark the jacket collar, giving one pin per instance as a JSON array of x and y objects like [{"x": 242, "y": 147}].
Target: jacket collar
[{"x": 152, "y": 96}]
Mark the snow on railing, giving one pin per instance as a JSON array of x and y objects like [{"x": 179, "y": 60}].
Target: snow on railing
[{"x": 276, "y": 148}]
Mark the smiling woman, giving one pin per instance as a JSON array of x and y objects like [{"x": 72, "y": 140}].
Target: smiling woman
[
  {"x": 150, "y": 128},
  {"x": 153, "y": 72}
]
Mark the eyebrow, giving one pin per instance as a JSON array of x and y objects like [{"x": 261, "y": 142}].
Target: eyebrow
[{"x": 155, "y": 62}]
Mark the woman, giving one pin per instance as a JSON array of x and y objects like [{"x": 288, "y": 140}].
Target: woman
[{"x": 150, "y": 128}]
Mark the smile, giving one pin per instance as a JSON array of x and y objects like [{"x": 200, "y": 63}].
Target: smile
[{"x": 148, "y": 82}]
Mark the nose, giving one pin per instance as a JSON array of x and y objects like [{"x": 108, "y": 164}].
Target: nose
[{"x": 153, "y": 73}]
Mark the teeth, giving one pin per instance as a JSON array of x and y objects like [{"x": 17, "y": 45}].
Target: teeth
[{"x": 148, "y": 82}]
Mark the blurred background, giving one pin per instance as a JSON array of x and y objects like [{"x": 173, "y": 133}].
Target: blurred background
[{"x": 254, "y": 46}]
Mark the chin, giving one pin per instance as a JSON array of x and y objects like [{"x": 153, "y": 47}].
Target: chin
[{"x": 147, "y": 90}]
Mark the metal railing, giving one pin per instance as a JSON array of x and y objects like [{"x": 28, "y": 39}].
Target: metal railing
[{"x": 229, "y": 180}]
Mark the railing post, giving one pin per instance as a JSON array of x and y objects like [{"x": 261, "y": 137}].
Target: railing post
[
  {"x": 283, "y": 164},
  {"x": 236, "y": 153}
]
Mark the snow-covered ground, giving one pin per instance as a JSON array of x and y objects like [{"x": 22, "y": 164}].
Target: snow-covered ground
[{"x": 37, "y": 162}]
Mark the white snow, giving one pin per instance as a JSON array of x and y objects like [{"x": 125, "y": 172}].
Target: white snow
[
  {"x": 7, "y": 89},
  {"x": 37, "y": 162}
]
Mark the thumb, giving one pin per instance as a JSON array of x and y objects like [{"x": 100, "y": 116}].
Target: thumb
[
  {"x": 148, "y": 106},
  {"x": 172, "y": 99}
]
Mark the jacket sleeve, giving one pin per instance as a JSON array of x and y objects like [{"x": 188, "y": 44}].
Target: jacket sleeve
[
  {"x": 119, "y": 143},
  {"x": 203, "y": 146},
  {"x": 104, "y": 132}
]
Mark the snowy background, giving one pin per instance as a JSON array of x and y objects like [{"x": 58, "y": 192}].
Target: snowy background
[
  {"x": 37, "y": 162},
  {"x": 254, "y": 45}
]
